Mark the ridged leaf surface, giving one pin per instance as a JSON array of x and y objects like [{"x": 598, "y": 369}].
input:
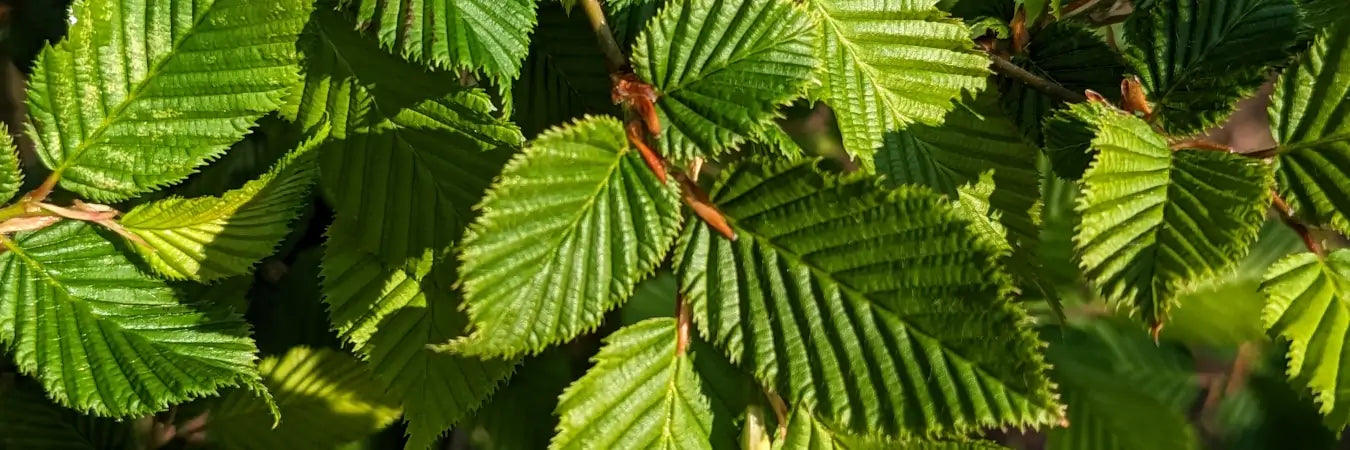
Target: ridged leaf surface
[
  {"x": 1310, "y": 118},
  {"x": 489, "y": 36},
  {"x": 640, "y": 394},
  {"x": 209, "y": 238},
  {"x": 327, "y": 398},
  {"x": 390, "y": 313},
  {"x": 104, "y": 338},
  {"x": 1307, "y": 307},
  {"x": 805, "y": 432},
  {"x": 1155, "y": 220},
  {"x": 1071, "y": 55},
  {"x": 567, "y": 231},
  {"x": 11, "y": 175},
  {"x": 880, "y": 309},
  {"x": 143, "y": 92},
  {"x": 722, "y": 67},
  {"x": 1197, "y": 58},
  {"x": 410, "y": 152},
  {"x": 890, "y": 63}
]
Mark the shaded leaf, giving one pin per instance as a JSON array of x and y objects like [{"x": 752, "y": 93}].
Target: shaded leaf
[{"x": 1306, "y": 306}]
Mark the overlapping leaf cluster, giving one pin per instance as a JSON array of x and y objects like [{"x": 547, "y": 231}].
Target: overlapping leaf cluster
[{"x": 879, "y": 307}]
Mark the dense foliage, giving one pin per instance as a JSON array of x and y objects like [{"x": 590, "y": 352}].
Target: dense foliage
[{"x": 586, "y": 224}]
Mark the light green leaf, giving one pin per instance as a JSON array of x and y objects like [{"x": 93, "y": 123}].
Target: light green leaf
[
  {"x": 1309, "y": 120},
  {"x": 326, "y": 397},
  {"x": 209, "y": 238},
  {"x": 1306, "y": 306},
  {"x": 106, "y": 339},
  {"x": 1156, "y": 221},
  {"x": 410, "y": 151},
  {"x": 1226, "y": 312},
  {"x": 721, "y": 69},
  {"x": 975, "y": 138},
  {"x": 11, "y": 175},
  {"x": 1074, "y": 57},
  {"x": 878, "y": 308},
  {"x": 488, "y": 36},
  {"x": 805, "y": 432},
  {"x": 1117, "y": 384},
  {"x": 891, "y": 63},
  {"x": 1197, "y": 58},
  {"x": 390, "y": 313},
  {"x": 143, "y": 92},
  {"x": 29, "y": 421},
  {"x": 641, "y": 393},
  {"x": 555, "y": 249}
]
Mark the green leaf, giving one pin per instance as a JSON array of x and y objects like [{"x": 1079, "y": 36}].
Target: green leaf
[
  {"x": 1073, "y": 56},
  {"x": 29, "y": 421},
  {"x": 1069, "y": 133},
  {"x": 1123, "y": 392},
  {"x": 1155, "y": 220},
  {"x": 879, "y": 308},
  {"x": 1309, "y": 120},
  {"x": 326, "y": 397},
  {"x": 488, "y": 36},
  {"x": 1226, "y": 312},
  {"x": 391, "y": 313},
  {"x": 1307, "y": 307},
  {"x": 106, "y": 339},
  {"x": 123, "y": 105},
  {"x": 410, "y": 151},
  {"x": 209, "y": 238},
  {"x": 1197, "y": 58},
  {"x": 11, "y": 175},
  {"x": 555, "y": 249},
  {"x": 641, "y": 393},
  {"x": 722, "y": 68},
  {"x": 805, "y": 432},
  {"x": 891, "y": 63},
  {"x": 564, "y": 76},
  {"x": 975, "y": 138}
]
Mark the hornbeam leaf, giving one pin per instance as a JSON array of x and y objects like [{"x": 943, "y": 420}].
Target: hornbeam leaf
[
  {"x": 891, "y": 63},
  {"x": 209, "y": 238},
  {"x": 641, "y": 393},
  {"x": 11, "y": 175},
  {"x": 29, "y": 420},
  {"x": 1155, "y": 220},
  {"x": 1197, "y": 58},
  {"x": 490, "y": 36},
  {"x": 143, "y": 92},
  {"x": 327, "y": 398},
  {"x": 390, "y": 313},
  {"x": 106, "y": 339},
  {"x": 410, "y": 152},
  {"x": 880, "y": 309},
  {"x": 1307, "y": 306},
  {"x": 555, "y": 249},
  {"x": 805, "y": 432},
  {"x": 1309, "y": 120},
  {"x": 722, "y": 67},
  {"x": 975, "y": 138},
  {"x": 1070, "y": 54}
]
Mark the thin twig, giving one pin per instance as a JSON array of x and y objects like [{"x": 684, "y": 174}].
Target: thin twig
[
  {"x": 614, "y": 59},
  {"x": 682, "y": 327},
  {"x": 1006, "y": 68},
  {"x": 1287, "y": 215}
]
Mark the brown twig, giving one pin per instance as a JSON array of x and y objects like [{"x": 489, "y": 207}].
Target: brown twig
[
  {"x": 682, "y": 320},
  {"x": 1287, "y": 216},
  {"x": 1006, "y": 68},
  {"x": 614, "y": 59}
]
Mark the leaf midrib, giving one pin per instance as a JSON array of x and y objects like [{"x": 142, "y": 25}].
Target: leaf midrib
[{"x": 88, "y": 141}]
